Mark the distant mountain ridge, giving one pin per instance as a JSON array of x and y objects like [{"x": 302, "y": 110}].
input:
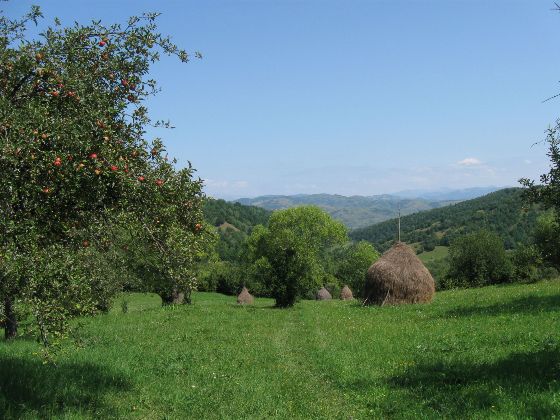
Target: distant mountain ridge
[{"x": 354, "y": 211}]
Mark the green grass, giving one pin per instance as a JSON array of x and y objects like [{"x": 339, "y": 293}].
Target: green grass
[
  {"x": 439, "y": 253},
  {"x": 480, "y": 353}
]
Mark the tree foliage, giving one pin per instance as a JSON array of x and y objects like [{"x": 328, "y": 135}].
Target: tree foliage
[
  {"x": 478, "y": 259},
  {"x": 76, "y": 166},
  {"x": 351, "y": 263},
  {"x": 547, "y": 194},
  {"x": 547, "y": 238},
  {"x": 293, "y": 249}
]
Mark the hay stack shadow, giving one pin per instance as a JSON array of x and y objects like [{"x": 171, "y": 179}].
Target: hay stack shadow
[{"x": 398, "y": 277}]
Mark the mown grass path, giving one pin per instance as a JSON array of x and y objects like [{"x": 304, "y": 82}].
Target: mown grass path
[{"x": 481, "y": 353}]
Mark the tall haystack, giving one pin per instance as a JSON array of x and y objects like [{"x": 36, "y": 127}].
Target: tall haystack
[
  {"x": 346, "y": 293},
  {"x": 323, "y": 294},
  {"x": 245, "y": 298},
  {"x": 398, "y": 277}
]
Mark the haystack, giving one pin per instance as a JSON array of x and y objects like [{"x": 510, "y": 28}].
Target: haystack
[
  {"x": 346, "y": 293},
  {"x": 323, "y": 294},
  {"x": 398, "y": 277},
  {"x": 245, "y": 298}
]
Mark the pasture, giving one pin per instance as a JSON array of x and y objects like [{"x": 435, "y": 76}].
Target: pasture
[{"x": 491, "y": 352}]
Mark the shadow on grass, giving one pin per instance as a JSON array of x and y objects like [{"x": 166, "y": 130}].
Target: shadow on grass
[
  {"x": 526, "y": 305},
  {"x": 524, "y": 383},
  {"x": 29, "y": 387}
]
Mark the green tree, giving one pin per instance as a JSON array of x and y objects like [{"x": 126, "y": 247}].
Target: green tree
[
  {"x": 352, "y": 262},
  {"x": 478, "y": 259},
  {"x": 292, "y": 252},
  {"x": 526, "y": 260},
  {"x": 547, "y": 238},
  {"x": 74, "y": 162},
  {"x": 547, "y": 194}
]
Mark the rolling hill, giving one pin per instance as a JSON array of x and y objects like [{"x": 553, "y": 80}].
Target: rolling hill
[
  {"x": 234, "y": 216},
  {"x": 355, "y": 211},
  {"x": 234, "y": 221},
  {"x": 501, "y": 212}
]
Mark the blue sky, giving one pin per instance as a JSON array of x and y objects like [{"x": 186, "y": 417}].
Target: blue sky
[{"x": 350, "y": 97}]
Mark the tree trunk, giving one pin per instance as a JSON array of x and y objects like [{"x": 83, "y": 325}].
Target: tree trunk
[
  {"x": 10, "y": 323},
  {"x": 176, "y": 297}
]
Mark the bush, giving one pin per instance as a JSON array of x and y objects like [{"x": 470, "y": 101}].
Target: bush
[
  {"x": 222, "y": 277},
  {"x": 526, "y": 260},
  {"x": 547, "y": 238},
  {"x": 478, "y": 259}
]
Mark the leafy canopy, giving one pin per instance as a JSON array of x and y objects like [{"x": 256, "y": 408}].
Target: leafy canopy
[
  {"x": 294, "y": 248},
  {"x": 75, "y": 163}
]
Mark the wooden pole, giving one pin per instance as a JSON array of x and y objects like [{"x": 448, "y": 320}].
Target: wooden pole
[{"x": 399, "y": 222}]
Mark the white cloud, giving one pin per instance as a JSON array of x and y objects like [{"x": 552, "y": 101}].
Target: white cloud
[{"x": 469, "y": 162}]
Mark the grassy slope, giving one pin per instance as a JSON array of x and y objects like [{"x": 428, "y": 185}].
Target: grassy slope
[
  {"x": 437, "y": 254},
  {"x": 492, "y": 352}
]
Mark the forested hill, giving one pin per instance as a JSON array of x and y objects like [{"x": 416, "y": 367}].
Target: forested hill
[
  {"x": 501, "y": 212},
  {"x": 355, "y": 211},
  {"x": 241, "y": 217},
  {"x": 234, "y": 222}
]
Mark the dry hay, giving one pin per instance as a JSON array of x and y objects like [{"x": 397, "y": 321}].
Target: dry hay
[
  {"x": 346, "y": 293},
  {"x": 323, "y": 294},
  {"x": 245, "y": 298},
  {"x": 398, "y": 277}
]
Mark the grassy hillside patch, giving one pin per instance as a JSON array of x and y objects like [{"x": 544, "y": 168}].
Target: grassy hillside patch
[
  {"x": 491, "y": 352},
  {"x": 439, "y": 253}
]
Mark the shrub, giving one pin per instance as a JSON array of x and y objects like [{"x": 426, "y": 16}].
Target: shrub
[
  {"x": 547, "y": 238},
  {"x": 526, "y": 260},
  {"x": 478, "y": 259}
]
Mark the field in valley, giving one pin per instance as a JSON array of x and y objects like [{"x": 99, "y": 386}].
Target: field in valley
[{"x": 491, "y": 352}]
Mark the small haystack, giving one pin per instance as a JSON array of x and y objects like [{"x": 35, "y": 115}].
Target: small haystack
[
  {"x": 398, "y": 277},
  {"x": 245, "y": 298},
  {"x": 323, "y": 294},
  {"x": 346, "y": 293}
]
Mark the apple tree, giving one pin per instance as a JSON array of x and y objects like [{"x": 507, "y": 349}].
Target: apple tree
[{"x": 75, "y": 163}]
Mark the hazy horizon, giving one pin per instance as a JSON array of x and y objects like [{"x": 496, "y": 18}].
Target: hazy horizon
[{"x": 400, "y": 193}]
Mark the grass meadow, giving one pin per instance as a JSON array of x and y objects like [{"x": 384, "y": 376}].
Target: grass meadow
[{"x": 492, "y": 352}]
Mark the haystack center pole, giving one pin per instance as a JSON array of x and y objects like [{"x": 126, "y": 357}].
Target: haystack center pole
[{"x": 399, "y": 222}]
